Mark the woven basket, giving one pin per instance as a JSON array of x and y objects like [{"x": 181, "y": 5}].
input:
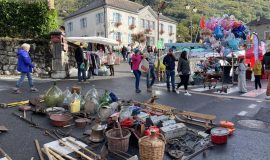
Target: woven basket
[
  {"x": 152, "y": 149},
  {"x": 115, "y": 142}
]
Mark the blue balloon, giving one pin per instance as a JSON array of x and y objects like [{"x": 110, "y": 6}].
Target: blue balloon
[
  {"x": 218, "y": 32},
  {"x": 227, "y": 51},
  {"x": 234, "y": 43}
]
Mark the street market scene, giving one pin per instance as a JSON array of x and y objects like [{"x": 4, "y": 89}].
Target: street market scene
[{"x": 134, "y": 80}]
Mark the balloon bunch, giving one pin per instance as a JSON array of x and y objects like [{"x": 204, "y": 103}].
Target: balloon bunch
[{"x": 226, "y": 33}]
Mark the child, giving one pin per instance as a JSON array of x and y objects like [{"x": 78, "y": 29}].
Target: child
[{"x": 257, "y": 69}]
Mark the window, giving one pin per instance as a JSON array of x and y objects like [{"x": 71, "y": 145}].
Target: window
[
  {"x": 70, "y": 27},
  {"x": 117, "y": 36},
  {"x": 161, "y": 27},
  {"x": 131, "y": 20},
  {"x": 129, "y": 39},
  {"x": 83, "y": 22},
  {"x": 117, "y": 17},
  {"x": 142, "y": 23},
  {"x": 99, "y": 18},
  {"x": 153, "y": 25},
  {"x": 100, "y": 34},
  {"x": 170, "y": 29}
]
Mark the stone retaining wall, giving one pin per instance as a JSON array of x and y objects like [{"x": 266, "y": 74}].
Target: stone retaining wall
[{"x": 40, "y": 53}]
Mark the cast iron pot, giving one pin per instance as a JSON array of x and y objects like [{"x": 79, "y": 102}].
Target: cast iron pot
[{"x": 60, "y": 120}]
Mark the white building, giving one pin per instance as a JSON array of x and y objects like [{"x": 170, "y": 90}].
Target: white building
[{"x": 119, "y": 19}]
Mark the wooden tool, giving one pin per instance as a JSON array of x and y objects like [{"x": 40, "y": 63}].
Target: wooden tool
[
  {"x": 39, "y": 150},
  {"x": 4, "y": 154},
  {"x": 63, "y": 155},
  {"x": 46, "y": 151},
  {"x": 203, "y": 120},
  {"x": 83, "y": 148},
  {"x": 55, "y": 154}
]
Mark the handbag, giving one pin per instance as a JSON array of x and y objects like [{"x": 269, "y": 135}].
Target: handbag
[
  {"x": 82, "y": 66},
  {"x": 144, "y": 66}
]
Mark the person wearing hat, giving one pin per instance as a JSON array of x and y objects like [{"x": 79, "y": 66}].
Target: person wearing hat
[
  {"x": 266, "y": 66},
  {"x": 80, "y": 63},
  {"x": 169, "y": 62},
  {"x": 136, "y": 60},
  {"x": 25, "y": 66}
]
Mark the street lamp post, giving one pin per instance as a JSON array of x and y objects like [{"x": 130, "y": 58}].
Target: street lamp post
[
  {"x": 162, "y": 6},
  {"x": 194, "y": 10}
]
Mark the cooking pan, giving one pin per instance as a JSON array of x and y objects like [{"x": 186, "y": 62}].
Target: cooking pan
[{"x": 60, "y": 120}]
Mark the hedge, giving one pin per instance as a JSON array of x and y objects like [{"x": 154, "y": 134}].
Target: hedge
[{"x": 26, "y": 20}]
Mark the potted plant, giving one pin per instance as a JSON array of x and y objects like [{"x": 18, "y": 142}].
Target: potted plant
[
  {"x": 117, "y": 24},
  {"x": 171, "y": 34},
  {"x": 161, "y": 32},
  {"x": 148, "y": 30},
  {"x": 132, "y": 26}
]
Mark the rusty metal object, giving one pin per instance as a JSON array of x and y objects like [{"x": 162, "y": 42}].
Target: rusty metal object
[
  {"x": 81, "y": 122},
  {"x": 176, "y": 154},
  {"x": 60, "y": 120}
]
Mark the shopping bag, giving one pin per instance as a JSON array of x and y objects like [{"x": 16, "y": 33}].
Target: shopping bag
[{"x": 144, "y": 66}]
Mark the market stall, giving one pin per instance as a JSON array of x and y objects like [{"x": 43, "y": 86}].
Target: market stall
[
  {"x": 99, "y": 53},
  {"x": 116, "y": 126}
]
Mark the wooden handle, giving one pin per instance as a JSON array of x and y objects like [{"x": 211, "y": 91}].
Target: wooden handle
[
  {"x": 50, "y": 157},
  {"x": 39, "y": 150},
  {"x": 55, "y": 154},
  {"x": 4, "y": 154},
  {"x": 61, "y": 154}
]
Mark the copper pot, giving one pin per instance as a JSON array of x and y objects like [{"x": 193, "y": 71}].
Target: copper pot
[{"x": 60, "y": 120}]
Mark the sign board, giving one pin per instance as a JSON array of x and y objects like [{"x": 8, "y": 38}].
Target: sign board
[{"x": 160, "y": 44}]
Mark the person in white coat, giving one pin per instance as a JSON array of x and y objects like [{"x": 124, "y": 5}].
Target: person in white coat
[
  {"x": 111, "y": 60},
  {"x": 242, "y": 76}
]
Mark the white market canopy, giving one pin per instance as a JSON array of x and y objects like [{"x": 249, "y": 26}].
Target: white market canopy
[{"x": 99, "y": 40}]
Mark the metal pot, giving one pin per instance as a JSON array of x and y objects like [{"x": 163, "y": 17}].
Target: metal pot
[
  {"x": 60, "y": 120},
  {"x": 97, "y": 134},
  {"x": 219, "y": 135},
  {"x": 81, "y": 122}
]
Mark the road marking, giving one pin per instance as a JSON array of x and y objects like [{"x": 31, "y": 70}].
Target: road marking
[
  {"x": 252, "y": 106},
  {"x": 242, "y": 113},
  {"x": 254, "y": 93}
]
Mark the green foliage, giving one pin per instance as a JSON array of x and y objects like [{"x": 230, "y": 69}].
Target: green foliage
[{"x": 25, "y": 19}]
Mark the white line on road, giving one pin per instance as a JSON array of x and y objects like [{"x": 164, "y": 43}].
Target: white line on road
[
  {"x": 242, "y": 113},
  {"x": 252, "y": 106}
]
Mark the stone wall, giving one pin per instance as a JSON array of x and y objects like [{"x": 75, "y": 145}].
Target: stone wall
[{"x": 40, "y": 53}]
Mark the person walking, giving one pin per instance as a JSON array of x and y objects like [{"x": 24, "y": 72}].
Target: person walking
[
  {"x": 183, "y": 69},
  {"x": 266, "y": 66},
  {"x": 80, "y": 63},
  {"x": 257, "y": 70},
  {"x": 151, "y": 58},
  {"x": 242, "y": 76},
  {"x": 111, "y": 60},
  {"x": 25, "y": 66},
  {"x": 136, "y": 60},
  {"x": 124, "y": 53},
  {"x": 169, "y": 62}
]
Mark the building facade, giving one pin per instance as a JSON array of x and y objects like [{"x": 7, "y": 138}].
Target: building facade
[
  {"x": 261, "y": 26},
  {"x": 119, "y": 19}
]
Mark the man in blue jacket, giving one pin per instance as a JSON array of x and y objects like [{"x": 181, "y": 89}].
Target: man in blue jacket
[
  {"x": 25, "y": 66},
  {"x": 169, "y": 62}
]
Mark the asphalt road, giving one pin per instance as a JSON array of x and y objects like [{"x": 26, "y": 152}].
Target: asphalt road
[{"x": 245, "y": 144}]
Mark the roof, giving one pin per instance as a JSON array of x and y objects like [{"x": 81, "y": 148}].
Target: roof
[
  {"x": 122, "y": 4},
  {"x": 262, "y": 21}
]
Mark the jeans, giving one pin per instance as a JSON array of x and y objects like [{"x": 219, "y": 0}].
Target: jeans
[
  {"x": 81, "y": 73},
  {"x": 20, "y": 81},
  {"x": 184, "y": 81},
  {"x": 170, "y": 75},
  {"x": 137, "y": 74},
  {"x": 151, "y": 73},
  {"x": 111, "y": 69},
  {"x": 258, "y": 81}
]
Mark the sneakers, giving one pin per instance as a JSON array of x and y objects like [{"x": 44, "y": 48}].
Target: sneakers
[
  {"x": 177, "y": 91},
  {"x": 149, "y": 89},
  {"x": 18, "y": 91},
  {"x": 33, "y": 89},
  {"x": 187, "y": 94},
  {"x": 138, "y": 91}
]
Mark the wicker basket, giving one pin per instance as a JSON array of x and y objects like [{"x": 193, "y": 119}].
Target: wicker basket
[
  {"x": 115, "y": 142},
  {"x": 152, "y": 147}
]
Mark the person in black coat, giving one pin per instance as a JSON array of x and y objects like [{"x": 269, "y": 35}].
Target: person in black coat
[
  {"x": 80, "y": 63},
  {"x": 169, "y": 62}
]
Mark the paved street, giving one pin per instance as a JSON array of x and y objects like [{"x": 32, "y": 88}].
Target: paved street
[{"x": 245, "y": 144}]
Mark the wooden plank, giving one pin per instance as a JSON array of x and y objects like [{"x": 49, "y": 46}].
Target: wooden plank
[{"x": 197, "y": 115}]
